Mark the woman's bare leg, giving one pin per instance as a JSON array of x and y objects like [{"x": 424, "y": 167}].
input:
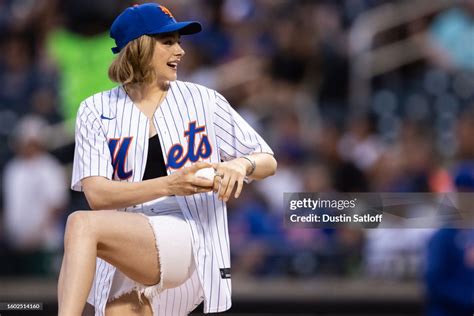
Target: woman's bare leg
[
  {"x": 125, "y": 240},
  {"x": 60, "y": 282},
  {"x": 129, "y": 305}
]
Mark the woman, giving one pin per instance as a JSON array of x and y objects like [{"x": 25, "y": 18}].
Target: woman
[{"x": 158, "y": 230}]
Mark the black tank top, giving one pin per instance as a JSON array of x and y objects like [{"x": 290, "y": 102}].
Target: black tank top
[{"x": 155, "y": 164}]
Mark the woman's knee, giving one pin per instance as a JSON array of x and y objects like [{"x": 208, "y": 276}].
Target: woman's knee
[{"x": 77, "y": 226}]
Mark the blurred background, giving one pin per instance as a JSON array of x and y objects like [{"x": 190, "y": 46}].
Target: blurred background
[{"x": 352, "y": 95}]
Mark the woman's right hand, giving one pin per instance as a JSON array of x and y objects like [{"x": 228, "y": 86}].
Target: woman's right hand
[{"x": 184, "y": 181}]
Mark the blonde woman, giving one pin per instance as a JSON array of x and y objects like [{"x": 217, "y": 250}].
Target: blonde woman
[{"x": 156, "y": 242}]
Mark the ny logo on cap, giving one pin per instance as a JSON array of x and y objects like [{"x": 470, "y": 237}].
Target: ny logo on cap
[{"x": 166, "y": 11}]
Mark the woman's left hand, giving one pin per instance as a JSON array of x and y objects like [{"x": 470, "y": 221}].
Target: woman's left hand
[{"x": 227, "y": 175}]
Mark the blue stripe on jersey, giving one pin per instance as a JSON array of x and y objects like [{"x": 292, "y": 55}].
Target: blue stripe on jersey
[
  {"x": 236, "y": 139},
  {"x": 176, "y": 103},
  {"x": 215, "y": 215},
  {"x": 228, "y": 112},
  {"x": 122, "y": 129},
  {"x": 195, "y": 108},
  {"x": 144, "y": 138},
  {"x": 185, "y": 199},
  {"x": 231, "y": 145},
  {"x": 102, "y": 281},
  {"x": 181, "y": 296},
  {"x": 217, "y": 226},
  {"x": 248, "y": 130},
  {"x": 184, "y": 103},
  {"x": 200, "y": 219},
  {"x": 98, "y": 153},
  {"x": 116, "y": 112}
]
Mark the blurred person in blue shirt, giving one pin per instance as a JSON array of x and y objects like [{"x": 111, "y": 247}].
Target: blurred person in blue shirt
[
  {"x": 450, "y": 261},
  {"x": 257, "y": 236},
  {"x": 450, "y": 273}
]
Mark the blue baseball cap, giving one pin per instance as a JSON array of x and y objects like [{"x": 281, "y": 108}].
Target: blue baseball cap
[{"x": 147, "y": 19}]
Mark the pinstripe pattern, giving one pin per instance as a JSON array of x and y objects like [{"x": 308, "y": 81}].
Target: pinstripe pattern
[{"x": 229, "y": 135}]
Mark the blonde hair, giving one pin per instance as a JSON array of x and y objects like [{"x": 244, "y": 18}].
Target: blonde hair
[{"x": 131, "y": 67}]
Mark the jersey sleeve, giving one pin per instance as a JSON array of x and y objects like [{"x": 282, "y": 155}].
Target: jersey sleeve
[
  {"x": 235, "y": 137},
  {"x": 91, "y": 154}
]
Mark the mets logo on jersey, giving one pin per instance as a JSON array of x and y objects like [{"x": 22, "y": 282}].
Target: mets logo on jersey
[
  {"x": 177, "y": 155},
  {"x": 118, "y": 151}
]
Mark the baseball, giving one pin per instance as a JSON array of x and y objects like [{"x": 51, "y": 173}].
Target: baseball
[{"x": 205, "y": 173}]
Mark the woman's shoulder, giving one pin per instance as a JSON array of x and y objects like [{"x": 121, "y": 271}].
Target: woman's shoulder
[
  {"x": 105, "y": 98},
  {"x": 193, "y": 87}
]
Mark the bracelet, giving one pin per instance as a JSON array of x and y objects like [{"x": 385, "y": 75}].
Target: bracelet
[{"x": 252, "y": 163}]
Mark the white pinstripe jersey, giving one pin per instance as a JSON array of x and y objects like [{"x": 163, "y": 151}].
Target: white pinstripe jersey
[{"x": 193, "y": 123}]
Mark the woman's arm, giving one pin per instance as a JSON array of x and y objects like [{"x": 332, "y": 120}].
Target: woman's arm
[
  {"x": 105, "y": 194},
  {"x": 233, "y": 172},
  {"x": 236, "y": 138},
  {"x": 265, "y": 165}
]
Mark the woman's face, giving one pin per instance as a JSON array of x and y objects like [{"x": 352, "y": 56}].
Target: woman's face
[{"x": 167, "y": 55}]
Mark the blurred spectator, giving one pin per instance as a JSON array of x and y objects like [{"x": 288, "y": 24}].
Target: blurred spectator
[
  {"x": 395, "y": 253},
  {"x": 29, "y": 85},
  {"x": 35, "y": 191},
  {"x": 347, "y": 177},
  {"x": 464, "y": 132},
  {"x": 16, "y": 73},
  {"x": 360, "y": 144},
  {"x": 214, "y": 37},
  {"x": 411, "y": 164},
  {"x": 452, "y": 33},
  {"x": 257, "y": 235},
  {"x": 20, "y": 16},
  {"x": 450, "y": 273},
  {"x": 286, "y": 179},
  {"x": 82, "y": 50},
  {"x": 419, "y": 159},
  {"x": 334, "y": 61},
  {"x": 22, "y": 73}
]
